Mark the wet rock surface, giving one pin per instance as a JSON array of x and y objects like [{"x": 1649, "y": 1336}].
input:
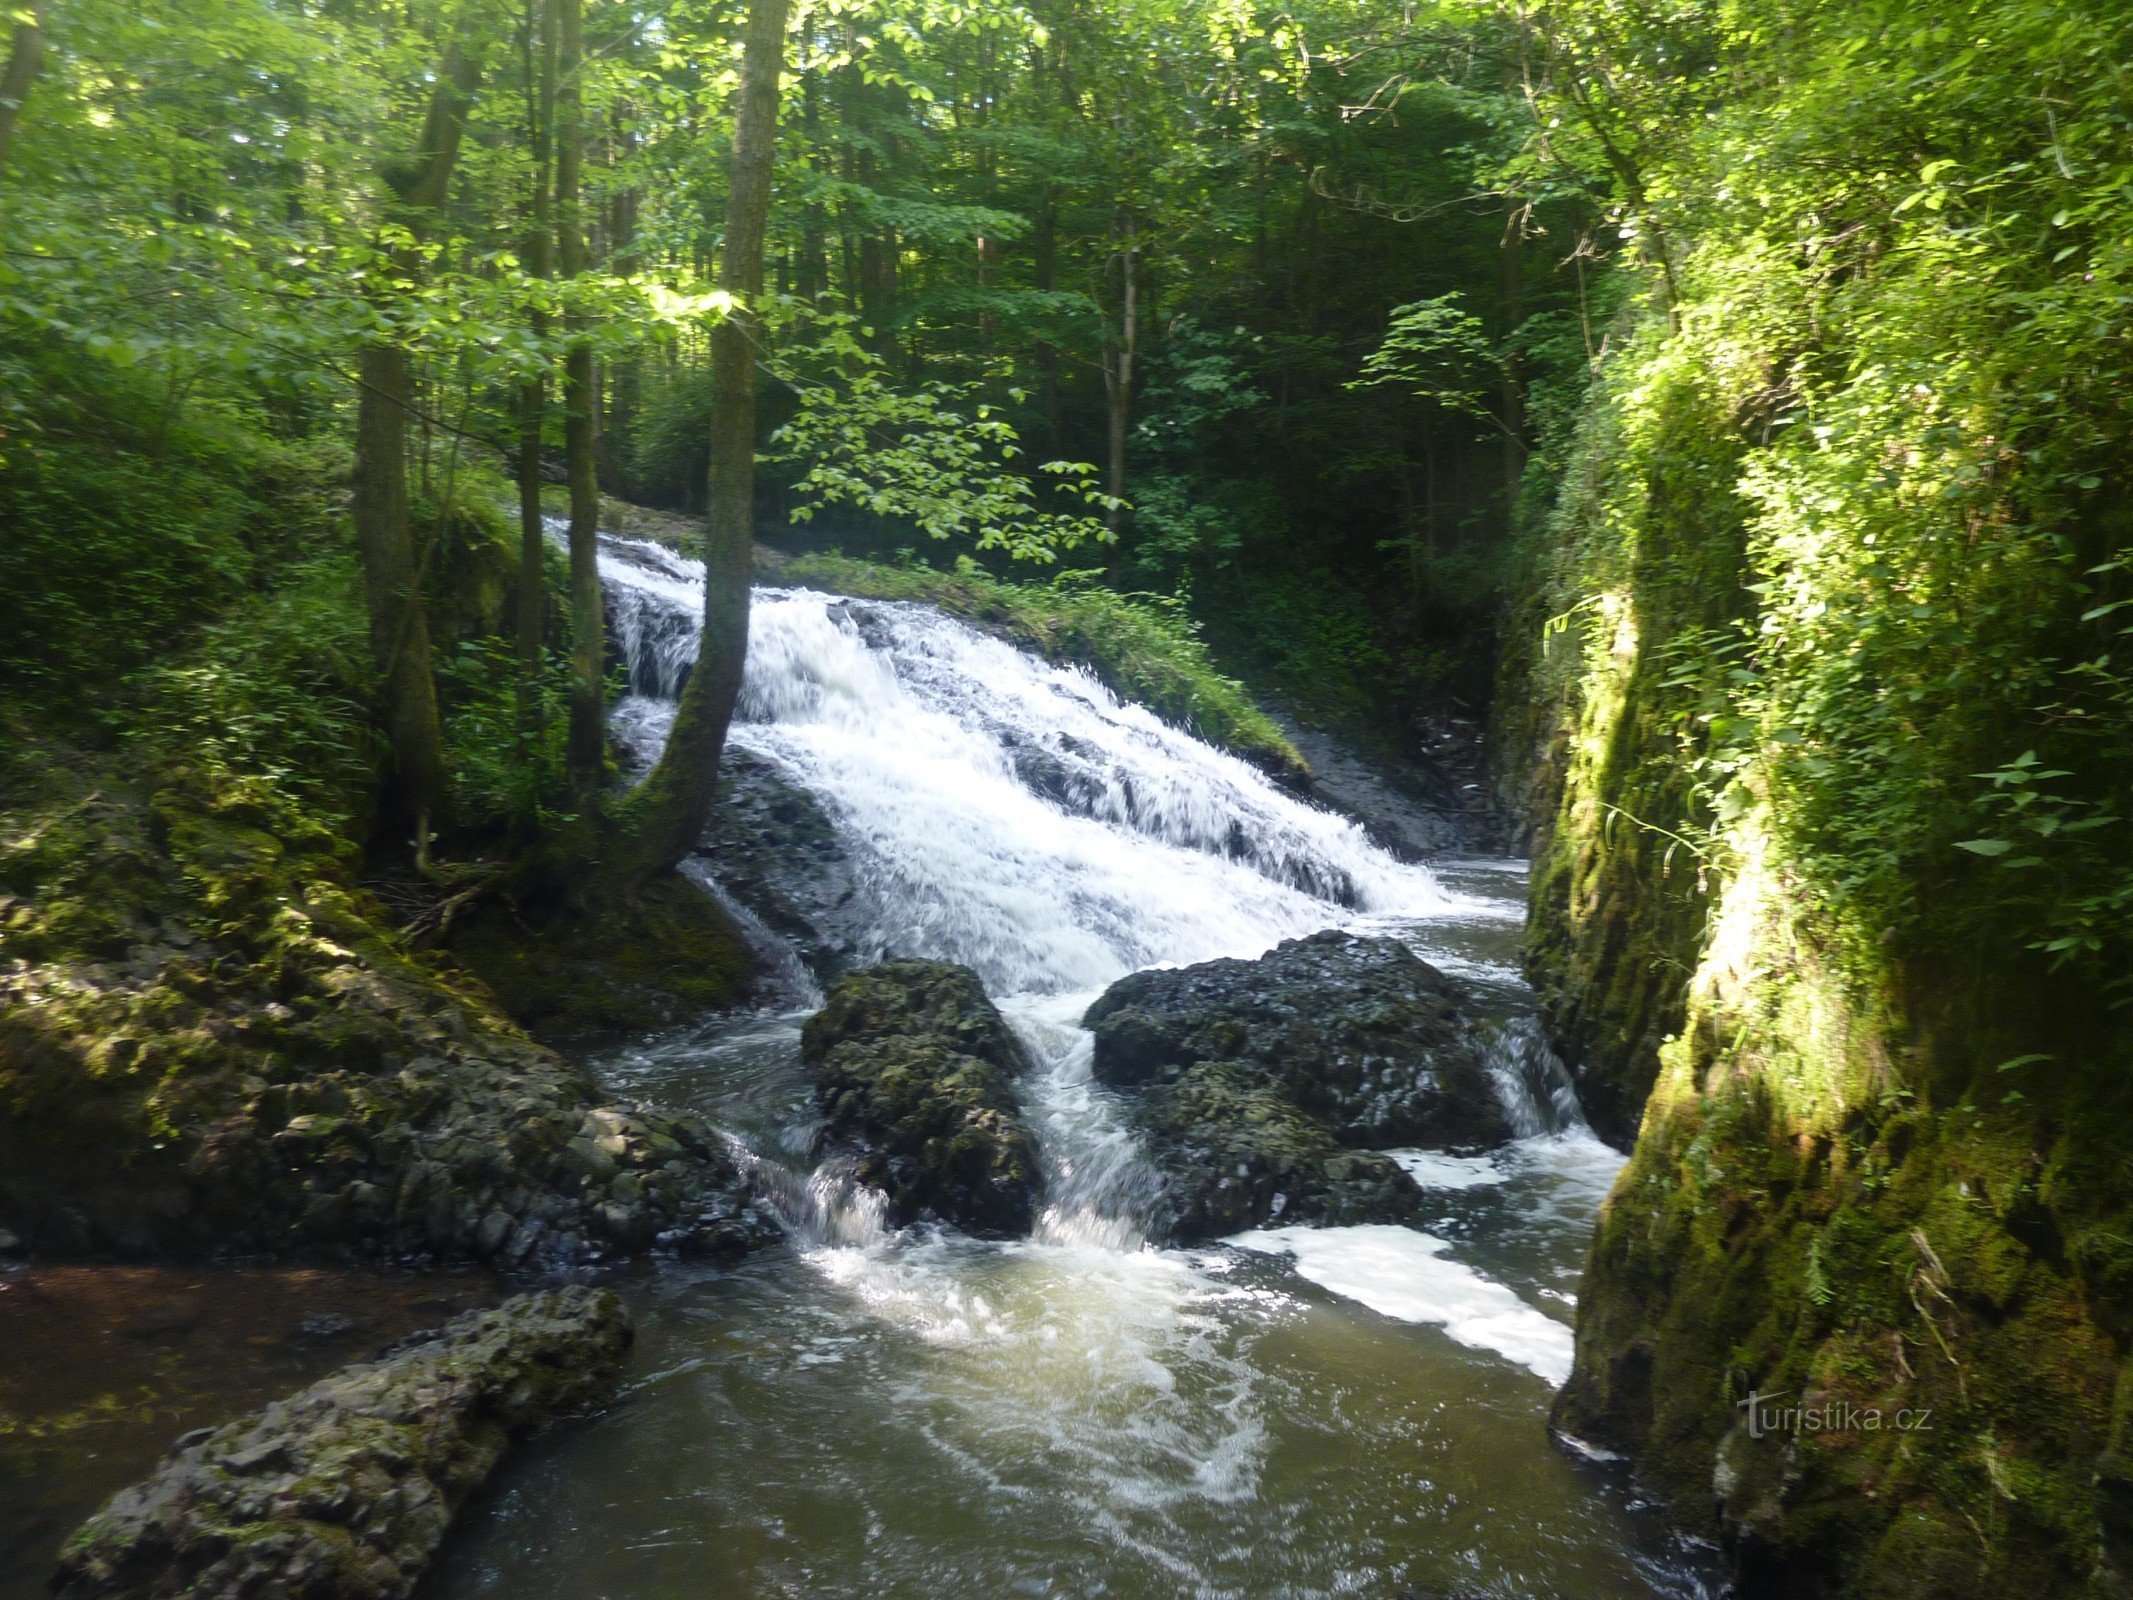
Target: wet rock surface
[
  {"x": 1358, "y": 1033},
  {"x": 915, "y": 1072},
  {"x": 1236, "y": 1153},
  {"x": 345, "y": 1490},
  {"x": 773, "y": 848}
]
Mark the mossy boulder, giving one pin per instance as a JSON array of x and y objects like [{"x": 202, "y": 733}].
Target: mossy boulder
[
  {"x": 915, "y": 1072},
  {"x": 212, "y": 1042},
  {"x": 345, "y": 1490},
  {"x": 1358, "y": 1033},
  {"x": 615, "y": 963},
  {"x": 1236, "y": 1153}
]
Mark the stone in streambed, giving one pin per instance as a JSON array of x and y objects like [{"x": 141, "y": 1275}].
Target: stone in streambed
[
  {"x": 1236, "y": 1153},
  {"x": 914, "y": 1069},
  {"x": 1358, "y": 1033},
  {"x": 345, "y": 1490}
]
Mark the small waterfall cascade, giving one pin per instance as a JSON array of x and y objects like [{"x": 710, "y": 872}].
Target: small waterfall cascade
[
  {"x": 1016, "y": 817},
  {"x": 1538, "y": 1095},
  {"x": 1008, "y": 814},
  {"x": 913, "y": 1412}
]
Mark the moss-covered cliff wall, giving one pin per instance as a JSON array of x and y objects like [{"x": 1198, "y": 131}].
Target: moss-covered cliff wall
[{"x": 1824, "y": 728}]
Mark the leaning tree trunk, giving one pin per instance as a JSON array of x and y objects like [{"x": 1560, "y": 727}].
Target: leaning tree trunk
[
  {"x": 665, "y": 816},
  {"x": 25, "y": 54},
  {"x": 399, "y": 629},
  {"x": 588, "y": 630}
]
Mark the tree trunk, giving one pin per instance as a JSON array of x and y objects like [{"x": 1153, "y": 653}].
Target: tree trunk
[
  {"x": 663, "y": 819},
  {"x": 588, "y": 624},
  {"x": 399, "y": 626},
  {"x": 1046, "y": 269},
  {"x": 399, "y": 629},
  {"x": 814, "y": 226},
  {"x": 1118, "y": 391},
  {"x": 1512, "y": 278},
  {"x": 533, "y": 396},
  {"x": 25, "y": 54},
  {"x": 622, "y": 386}
]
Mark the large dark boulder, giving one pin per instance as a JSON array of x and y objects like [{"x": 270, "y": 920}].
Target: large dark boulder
[
  {"x": 1359, "y": 1033},
  {"x": 345, "y": 1490},
  {"x": 915, "y": 1071},
  {"x": 1236, "y": 1153}
]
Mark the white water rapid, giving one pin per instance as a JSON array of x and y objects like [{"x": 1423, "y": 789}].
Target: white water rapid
[{"x": 1308, "y": 1412}]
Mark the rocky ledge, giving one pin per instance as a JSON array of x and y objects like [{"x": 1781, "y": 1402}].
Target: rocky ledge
[
  {"x": 915, "y": 1071},
  {"x": 1265, "y": 1088},
  {"x": 211, "y": 1043},
  {"x": 345, "y": 1490}
]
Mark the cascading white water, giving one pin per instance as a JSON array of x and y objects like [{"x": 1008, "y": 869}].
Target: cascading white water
[
  {"x": 918, "y": 1414},
  {"x": 1019, "y": 818}
]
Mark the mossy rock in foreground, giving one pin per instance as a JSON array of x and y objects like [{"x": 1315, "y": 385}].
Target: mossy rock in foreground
[
  {"x": 211, "y": 1042},
  {"x": 620, "y": 964},
  {"x": 914, "y": 1068},
  {"x": 346, "y": 1489}
]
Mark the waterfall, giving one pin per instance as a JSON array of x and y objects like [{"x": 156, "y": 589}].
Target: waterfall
[
  {"x": 1007, "y": 814},
  {"x": 1073, "y": 1412},
  {"x": 1014, "y": 816}
]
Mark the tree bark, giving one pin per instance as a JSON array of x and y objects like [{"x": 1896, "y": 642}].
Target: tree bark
[
  {"x": 1512, "y": 282},
  {"x": 24, "y": 56},
  {"x": 533, "y": 396},
  {"x": 1118, "y": 391},
  {"x": 399, "y": 628},
  {"x": 588, "y": 623},
  {"x": 665, "y": 816},
  {"x": 622, "y": 385}
]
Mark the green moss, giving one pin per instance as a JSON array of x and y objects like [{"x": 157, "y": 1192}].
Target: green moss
[
  {"x": 619, "y": 964},
  {"x": 1140, "y": 650}
]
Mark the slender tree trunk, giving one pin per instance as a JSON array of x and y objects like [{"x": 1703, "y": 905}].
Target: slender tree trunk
[
  {"x": 1118, "y": 391},
  {"x": 533, "y": 396},
  {"x": 814, "y": 262},
  {"x": 588, "y": 623},
  {"x": 25, "y": 55},
  {"x": 1512, "y": 279},
  {"x": 399, "y": 625},
  {"x": 624, "y": 382},
  {"x": 665, "y": 816},
  {"x": 1046, "y": 269},
  {"x": 399, "y": 629}
]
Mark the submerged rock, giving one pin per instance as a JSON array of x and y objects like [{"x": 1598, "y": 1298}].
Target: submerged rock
[
  {"x": 1359, "y": 1033},
  {"x": 345, "y": 1490},
  {"x": 914, "y": 1068}
]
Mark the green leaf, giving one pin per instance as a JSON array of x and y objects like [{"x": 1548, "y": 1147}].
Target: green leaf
[{"x": 1986, "y": 847}]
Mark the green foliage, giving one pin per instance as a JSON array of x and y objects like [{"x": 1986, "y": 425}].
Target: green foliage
[
  {"x": 276, "y": 697},
  {"x": 500, "y": 777},
  {"x": 128, "y": 522},
  {"x": 1434, "y": 350}
]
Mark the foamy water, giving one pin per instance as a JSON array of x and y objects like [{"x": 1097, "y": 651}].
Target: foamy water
[{"x": 1076, "y": 1412}]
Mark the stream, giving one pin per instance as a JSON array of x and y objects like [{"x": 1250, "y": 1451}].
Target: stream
[{"x": 917, "y": 1415}]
